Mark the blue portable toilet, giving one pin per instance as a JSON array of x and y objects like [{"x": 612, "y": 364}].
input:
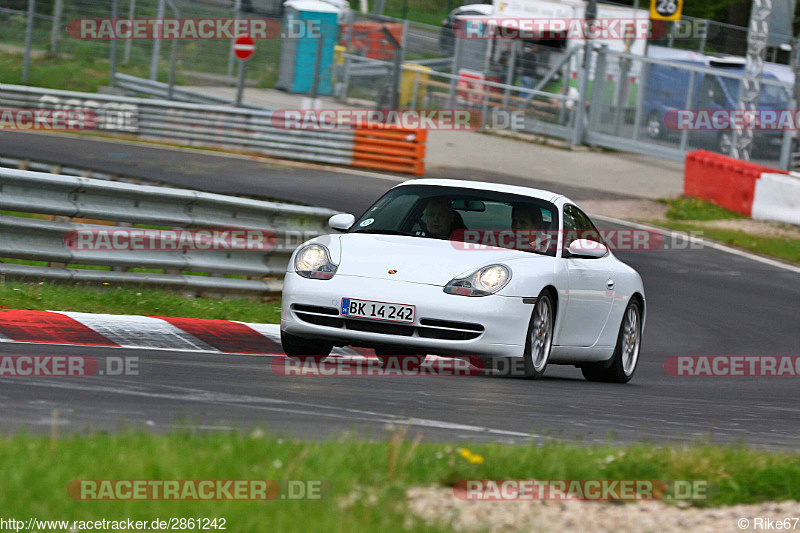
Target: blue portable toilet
[{"x": 299, "y": 55}]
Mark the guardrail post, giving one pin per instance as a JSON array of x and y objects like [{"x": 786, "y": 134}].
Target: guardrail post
[{"x": 26, "y": 62}]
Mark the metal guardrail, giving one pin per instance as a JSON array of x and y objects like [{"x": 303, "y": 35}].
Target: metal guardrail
[
  {"x": 157, "y": 89},
  {"x": 196, "y": 124},
  {"x": 250, "y": 130},
  {"x": 68, "y": 197}
]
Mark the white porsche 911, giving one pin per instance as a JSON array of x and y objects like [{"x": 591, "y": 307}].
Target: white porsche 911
[{"x": 463, "y": 268}]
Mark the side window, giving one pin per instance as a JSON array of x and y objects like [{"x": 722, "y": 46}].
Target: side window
[{"x": 578, "y": 226}]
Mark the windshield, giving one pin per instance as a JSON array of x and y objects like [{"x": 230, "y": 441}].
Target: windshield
[
  {"x": 464, "y": 216},
  {"x": 771, "y": 95}
]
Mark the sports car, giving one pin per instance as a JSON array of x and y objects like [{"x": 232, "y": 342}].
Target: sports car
[{"x": 465, "y": 268}]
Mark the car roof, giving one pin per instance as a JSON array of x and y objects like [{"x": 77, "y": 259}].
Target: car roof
[
  {"x": 496, "y": 187},
  {"x": 486, "y": 9}
]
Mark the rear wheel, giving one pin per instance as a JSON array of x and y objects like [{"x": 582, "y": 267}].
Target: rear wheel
[
  {"x": 655, "y": 126},
  {"x": 304, "y": 349},
  {"x": 626, "y": 353},
  {"x": 539, "y": 341}
]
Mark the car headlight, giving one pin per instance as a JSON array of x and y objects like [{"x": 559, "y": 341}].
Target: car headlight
[
  {"x": 483, "y": 282},
  {"x": 314, "y": 261}
]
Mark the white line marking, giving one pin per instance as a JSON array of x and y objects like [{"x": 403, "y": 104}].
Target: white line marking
[{"x": 705, "y": 242}]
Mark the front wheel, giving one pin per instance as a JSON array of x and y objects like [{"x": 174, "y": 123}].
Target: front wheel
[
  {"x": 626, "y": 353},
  {"x": 304, "y": 349},
  {"x": 539, "y": 341}
]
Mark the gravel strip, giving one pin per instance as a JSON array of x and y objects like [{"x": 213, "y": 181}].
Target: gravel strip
[{"x": 438, "y": 506}]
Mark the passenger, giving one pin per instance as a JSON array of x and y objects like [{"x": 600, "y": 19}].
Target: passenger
[{"x": 529, "y": 226}]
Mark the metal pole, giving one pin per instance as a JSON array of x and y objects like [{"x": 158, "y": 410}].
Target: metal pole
[
  {"x": 240, "y": 84},
  {"x": 580, "y": 127},
  {"x": 456, "y": 67},
  {"x": 512, "y": 59},
  {"x": 414, "y": 92},
  {"x": 643, "y": 75},
  {"x": 113, "y": 75},
  {"x": 703, "y": 37},
  {"x": 750, "y": 87},
  {"x": 237, "y": 12},
  {"x": 58, "y": 10},
  {"x": 173, "y": 53},
  {"x": 26, "y": 63},
  {"x": 131, "y": 13},
  {"x": 398, "y": 63},
  {"x": 565, "y": 92},
  {"x": 622, "y": 93},
  {"x": 689, "y": 105},
  {"x": 156, "y": 44}
]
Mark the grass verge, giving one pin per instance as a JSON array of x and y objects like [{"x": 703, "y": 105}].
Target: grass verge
[
  {"x": 366, "y": 479},
  {"x": 688, "y": 208},
  {"x": 691, "y": 215},
  {"x": 778, "y": 247},
  {"x": 132, "y": 301}
]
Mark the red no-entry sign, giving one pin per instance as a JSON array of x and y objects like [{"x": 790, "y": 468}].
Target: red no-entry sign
[{"x": 243, "y": 47}]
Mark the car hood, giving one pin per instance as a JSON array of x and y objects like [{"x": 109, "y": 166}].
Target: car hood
[{"x": 415, "y": 259}]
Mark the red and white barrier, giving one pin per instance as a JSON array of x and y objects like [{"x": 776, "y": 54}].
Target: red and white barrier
[
  {"x": 777, "y": 197},
  {"x": 753, "y": 190}
]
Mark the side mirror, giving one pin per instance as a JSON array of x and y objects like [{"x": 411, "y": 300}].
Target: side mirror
[
  {"x": 583, "y": 248},
  {"x": 341, "y": 222}
]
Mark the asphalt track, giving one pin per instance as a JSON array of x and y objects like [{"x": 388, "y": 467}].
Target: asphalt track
[{"x": 700, "y": 302}]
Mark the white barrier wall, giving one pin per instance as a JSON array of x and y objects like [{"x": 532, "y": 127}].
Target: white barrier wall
[{"x": 777, "y": 197}]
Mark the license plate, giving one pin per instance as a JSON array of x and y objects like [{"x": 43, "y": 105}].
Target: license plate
[{"x": 377, "y": 310}]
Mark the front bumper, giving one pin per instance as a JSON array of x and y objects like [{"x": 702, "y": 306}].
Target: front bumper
[{"x": 444, "y": 324}]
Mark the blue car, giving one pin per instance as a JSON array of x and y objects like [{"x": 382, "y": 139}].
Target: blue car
[{"x": 668, "y": 87}]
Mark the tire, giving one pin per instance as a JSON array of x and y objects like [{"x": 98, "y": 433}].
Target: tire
[
  {"x": 725, "y": 143},
  {"x": 626, "y": 353},
  {"x": 539, "y": 339},
  {"x": 303, "y": 349},
  {"x": 654, "y": 126},
  {"x": 400, "y": 358}
]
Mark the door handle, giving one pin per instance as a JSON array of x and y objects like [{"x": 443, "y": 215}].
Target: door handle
[{"x": 610, "y": 284}]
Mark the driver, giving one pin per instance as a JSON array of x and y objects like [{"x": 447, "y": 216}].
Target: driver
[{"x": 439, "y": 218}]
